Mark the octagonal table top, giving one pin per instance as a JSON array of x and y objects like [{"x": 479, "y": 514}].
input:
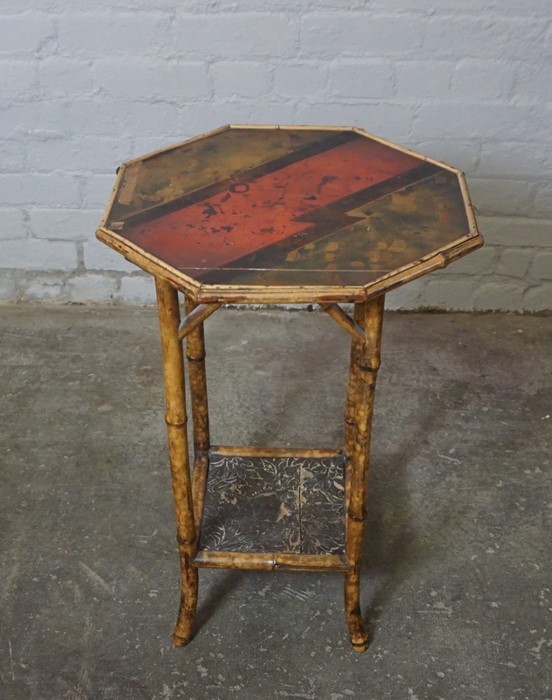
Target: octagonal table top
[{"x": 274, "y": 213}]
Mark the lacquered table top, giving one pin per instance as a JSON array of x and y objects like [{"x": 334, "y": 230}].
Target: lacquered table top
[{"x": 305, "y": 213}]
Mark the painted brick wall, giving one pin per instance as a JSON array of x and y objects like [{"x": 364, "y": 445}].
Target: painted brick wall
[{"x": 89, "y": 83}]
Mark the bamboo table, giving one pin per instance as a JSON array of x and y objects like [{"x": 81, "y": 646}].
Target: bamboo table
[{"x": 252, "y": 214}]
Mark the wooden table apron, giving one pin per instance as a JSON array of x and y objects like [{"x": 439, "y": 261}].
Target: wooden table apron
[{"x": 189, "y": 487}]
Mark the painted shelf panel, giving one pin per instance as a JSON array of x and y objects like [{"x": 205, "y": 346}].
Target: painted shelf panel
[{"x": 274, "y": 504}]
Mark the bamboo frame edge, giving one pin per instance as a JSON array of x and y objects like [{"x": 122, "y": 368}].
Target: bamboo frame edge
[
  {"x": 147, "y": 262},
  {"x": 175, "y": 146},
  {"x": 406, "y": 150},
  {"x": 270, "y": 561},
  {"x": 295, "y": 452}
]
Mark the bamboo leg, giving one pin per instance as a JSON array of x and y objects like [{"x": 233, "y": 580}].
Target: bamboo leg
[
  {"x": 365, "y": 360},
  {"x": 195, "y": 354},
  {"x": 176, "y": 419},
  {"x": 349, "y": 432}
]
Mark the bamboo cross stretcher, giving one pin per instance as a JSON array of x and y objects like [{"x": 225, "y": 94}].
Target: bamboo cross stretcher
[{"x": 294, "y": 215}]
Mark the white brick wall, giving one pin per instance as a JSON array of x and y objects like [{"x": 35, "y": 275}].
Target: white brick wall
[{"x": 87, "y": 84}]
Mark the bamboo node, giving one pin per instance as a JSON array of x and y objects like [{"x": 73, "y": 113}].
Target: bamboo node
[
  {"x": 185, "y": 543},
  {"x": 180, "y": 424},
  {"x": 371, "y": 367},
  {"x": 195, "y": 359}
]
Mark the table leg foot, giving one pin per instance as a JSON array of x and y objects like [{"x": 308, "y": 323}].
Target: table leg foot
[
  {"x": 361, "y": 646},
  {"x": 183, "y": 630},
  {"x": 179, "y": 641},
  {"x": 357, "y": 633}
]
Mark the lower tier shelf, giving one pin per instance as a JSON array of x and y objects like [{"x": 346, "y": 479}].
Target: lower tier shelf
[{"x": 278, "y": 505}]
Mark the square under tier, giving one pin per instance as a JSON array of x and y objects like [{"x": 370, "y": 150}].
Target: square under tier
[{"x": 285, "y": 504}]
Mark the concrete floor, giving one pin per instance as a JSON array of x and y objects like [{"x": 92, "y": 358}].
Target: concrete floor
[{"x": 457, "y": 577}]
